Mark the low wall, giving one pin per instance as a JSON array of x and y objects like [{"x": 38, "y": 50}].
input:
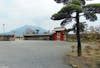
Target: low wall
[
  {"x": 37, "y": 37},
  {"x": 7, "y": 37}
]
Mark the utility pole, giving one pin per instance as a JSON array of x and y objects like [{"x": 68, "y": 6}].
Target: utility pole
[{"x": 3, "y": 28}]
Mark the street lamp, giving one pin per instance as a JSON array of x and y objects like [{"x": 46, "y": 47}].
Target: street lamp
[{"x": 4, "y": 28}]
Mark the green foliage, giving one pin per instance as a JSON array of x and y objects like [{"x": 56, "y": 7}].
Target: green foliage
[
  {"x": 71, "y": 29},
  {"x": 93, "y": 5},
  {"x": 59, "y": 16},
  {"x": 90, "y": 16},
  {"x": 77, "y": 2},
  {"x": 66, "y": 21},
  {"x": 92, "y": 8},
  {"x": 70, "y": 1},
  {"x": 65, "y": 13},
  {"x": 82, "y": 2},
  {"x": 73, "y": 6},
  {"x": 81, "y": 26},
  {"x": 70, "y": 9}
]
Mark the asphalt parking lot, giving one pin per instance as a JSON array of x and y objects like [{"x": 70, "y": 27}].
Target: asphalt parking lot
[{"x": 33, "y": 54}]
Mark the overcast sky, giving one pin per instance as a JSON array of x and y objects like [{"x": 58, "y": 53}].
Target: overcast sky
[{"x": 17, "y": 13}]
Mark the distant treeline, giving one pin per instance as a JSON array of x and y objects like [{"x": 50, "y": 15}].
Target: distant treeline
[{"x": 84, "y": 37}]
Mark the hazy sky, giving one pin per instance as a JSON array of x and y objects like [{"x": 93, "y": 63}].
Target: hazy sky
[{"x": 16, "y": 13}]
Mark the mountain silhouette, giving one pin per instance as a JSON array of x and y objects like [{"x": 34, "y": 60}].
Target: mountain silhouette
[{"x": 21, "y": 30}]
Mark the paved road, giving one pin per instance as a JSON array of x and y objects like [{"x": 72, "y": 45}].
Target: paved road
[{"x": 33, "y": 54}]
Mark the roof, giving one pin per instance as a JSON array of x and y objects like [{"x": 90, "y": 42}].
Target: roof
[
  {"x": 59, "y": 29},
  {"x": 36, "y": 34}
]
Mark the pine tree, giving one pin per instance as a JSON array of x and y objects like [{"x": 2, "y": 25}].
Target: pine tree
[{"x": 79, "y": 8}]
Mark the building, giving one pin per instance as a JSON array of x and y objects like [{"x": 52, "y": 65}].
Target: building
[
  {"x": 7, "y": 37},
  {"x": 59, "y": 33},
  {"x": 18, "y": 37},
  {"x": 37, "y": 37}
]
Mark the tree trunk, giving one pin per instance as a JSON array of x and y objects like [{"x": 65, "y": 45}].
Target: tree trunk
[{"x": 78, "y": 35}]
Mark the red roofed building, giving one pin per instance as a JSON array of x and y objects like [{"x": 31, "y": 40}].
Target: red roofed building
[{"x": 59, "y": 33}]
